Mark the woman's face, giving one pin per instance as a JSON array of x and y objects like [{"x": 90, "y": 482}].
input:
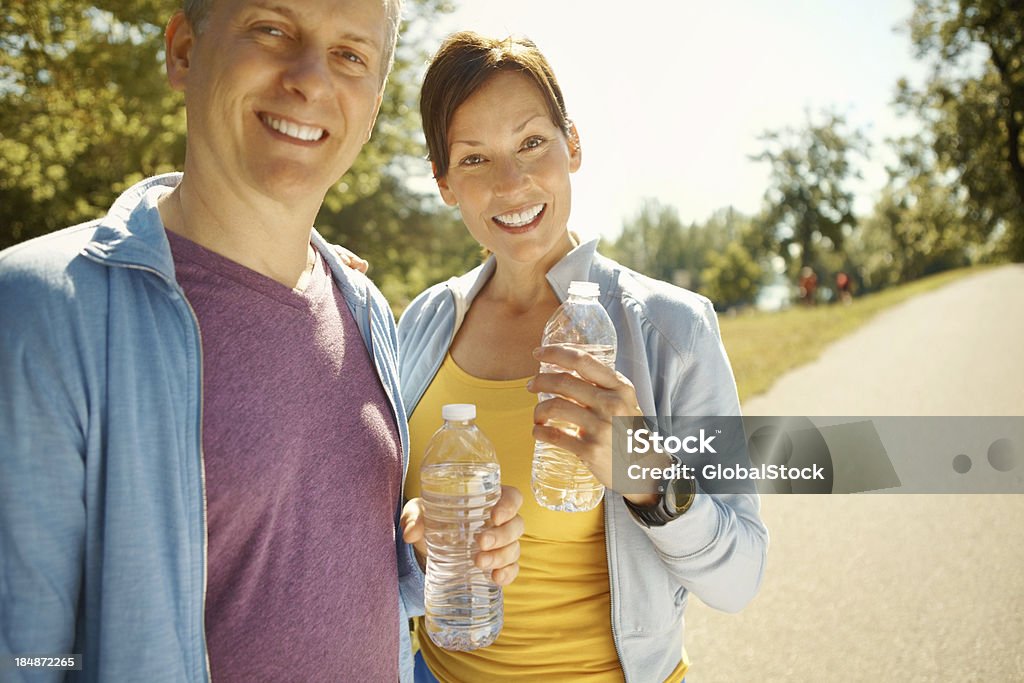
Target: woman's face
[{"x": 509, "y": 171}]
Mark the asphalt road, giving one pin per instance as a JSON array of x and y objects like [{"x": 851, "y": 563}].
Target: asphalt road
[{"x": 891, "y": 587}]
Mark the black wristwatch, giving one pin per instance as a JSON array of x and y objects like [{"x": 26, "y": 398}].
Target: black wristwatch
[{"x": 675, "y": 501}]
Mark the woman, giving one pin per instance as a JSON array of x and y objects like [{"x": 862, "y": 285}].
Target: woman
[{"x": 600, "y": 595}]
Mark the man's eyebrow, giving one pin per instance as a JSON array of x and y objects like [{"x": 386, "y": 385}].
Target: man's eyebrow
[{"x": 289, "y": 13}]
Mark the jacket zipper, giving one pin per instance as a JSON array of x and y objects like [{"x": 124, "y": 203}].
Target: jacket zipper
[
  {"x": 202, "y": 484},
  {"x": 199, "y": 437}
]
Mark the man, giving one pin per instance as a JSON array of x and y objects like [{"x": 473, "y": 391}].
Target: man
[{"x": 202, "y": 442}]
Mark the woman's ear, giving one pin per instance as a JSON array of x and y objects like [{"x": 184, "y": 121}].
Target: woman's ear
[
  {"x": 575, "y": 151},
  {"x": 179, "y": 38},
  {"x": 442, "y": 186}
]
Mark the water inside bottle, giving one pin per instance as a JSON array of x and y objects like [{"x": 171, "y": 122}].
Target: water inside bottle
[
  {"x": 464, "y": 607},
  {"x": 559, "y": 480}
]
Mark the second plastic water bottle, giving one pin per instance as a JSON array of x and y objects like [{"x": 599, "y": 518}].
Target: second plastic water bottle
[
  {"x": 559, "y": 480},
  {"x": 460, "y": 482}
]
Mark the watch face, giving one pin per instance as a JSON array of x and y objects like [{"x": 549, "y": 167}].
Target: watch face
[{"x": 678, "y": 497}]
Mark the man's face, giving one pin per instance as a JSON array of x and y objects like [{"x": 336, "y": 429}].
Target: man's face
[{"x": 280, "y": 96}]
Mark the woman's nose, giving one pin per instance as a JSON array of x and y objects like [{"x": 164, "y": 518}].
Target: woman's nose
[{"x": 511, "y": 178}]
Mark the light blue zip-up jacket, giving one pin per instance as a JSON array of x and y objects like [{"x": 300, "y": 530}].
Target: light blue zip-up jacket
[
  {"x": 669, "y": 346},
  {"x": 102, "y": 499}
]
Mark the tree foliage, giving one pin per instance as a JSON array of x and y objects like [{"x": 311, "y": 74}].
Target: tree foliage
[
  {"x": 85, "y": 110},
  {"x": 973, "y": 103},
  {"x": 655, "y": 243},
  {"x": 920, "y": 224},
  {"x": 732, "y": 276},
  {"x": 698, "y": 256},
  {"x": 809, "y": 207}
]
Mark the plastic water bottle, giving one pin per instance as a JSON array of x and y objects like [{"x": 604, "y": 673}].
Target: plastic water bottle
[
  {"x": 460, "y": 482},
  {"x": 559, "y": 480}
]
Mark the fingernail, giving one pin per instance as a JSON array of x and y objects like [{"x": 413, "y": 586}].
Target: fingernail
[
  {"x": 529, "y": 385},
  {"x": 487, "y": 542},
  {"x": 485, "y": 561},
  {"x": 536, "y": 352}
]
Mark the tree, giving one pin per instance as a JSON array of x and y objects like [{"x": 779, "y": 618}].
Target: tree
[
  {"x": 808, "y": 207},
  {"x": 653, "y": 242},
  {"x": 732, "y": 276},
  {"x": 85, "y": 110},
  {"x": 973, "y": 104},
  {"x": 920, "y": 224}
]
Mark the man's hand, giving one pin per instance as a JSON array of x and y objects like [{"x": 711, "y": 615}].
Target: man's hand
[
  {"x": 350, "y": 259},
  {"x": 499, "y": 541}
]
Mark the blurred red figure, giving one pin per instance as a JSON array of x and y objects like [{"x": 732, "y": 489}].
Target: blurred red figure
[
  {"x": 843, "y": 287},
  {"x": 808, "y": 285}
]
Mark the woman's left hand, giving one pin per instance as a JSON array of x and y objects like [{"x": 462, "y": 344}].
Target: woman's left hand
[{"x": 589, "y": 401}]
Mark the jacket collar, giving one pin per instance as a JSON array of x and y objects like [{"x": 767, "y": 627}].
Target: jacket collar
[
  {"x": 132, "y": 233},
  {"x": 575, "y": 265}
]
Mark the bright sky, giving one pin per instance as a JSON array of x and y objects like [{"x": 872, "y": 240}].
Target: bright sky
[{"x": 670, "y": 98}]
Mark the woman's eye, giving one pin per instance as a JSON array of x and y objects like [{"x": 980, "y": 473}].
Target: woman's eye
[
  {"x": 533, "y": 142},
  {"x": 471, "y": 160},
  {"x": 272, "y": 31}
]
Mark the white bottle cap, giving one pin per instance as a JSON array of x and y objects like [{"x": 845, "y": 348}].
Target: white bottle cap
[
  {"x": 458, "y": 412},
  {"x": 584, "y": 288}
]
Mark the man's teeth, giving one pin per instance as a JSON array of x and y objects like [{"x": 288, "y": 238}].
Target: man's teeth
[
  {"x": 518, "y": 219},
  {"x": 294, "y": 130}
]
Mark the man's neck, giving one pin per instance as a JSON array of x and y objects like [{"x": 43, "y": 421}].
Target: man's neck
[{"x": 261, "y": 235}]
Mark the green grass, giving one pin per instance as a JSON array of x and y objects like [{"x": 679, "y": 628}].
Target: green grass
[{"x": 763, "y": 346}]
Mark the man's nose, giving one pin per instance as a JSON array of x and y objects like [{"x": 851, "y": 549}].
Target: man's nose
[{"x": 308, "y": 74}]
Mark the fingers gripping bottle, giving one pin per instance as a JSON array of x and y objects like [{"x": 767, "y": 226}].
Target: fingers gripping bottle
[
  {"x": 460, "y": 482},
  {"x": 559, "y": 480}
]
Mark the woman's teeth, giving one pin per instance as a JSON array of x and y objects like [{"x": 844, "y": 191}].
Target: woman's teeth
[{"x": 517, "y": 219}]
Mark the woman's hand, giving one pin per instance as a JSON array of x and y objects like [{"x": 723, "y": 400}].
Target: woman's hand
[
  {"x": 499, "y": 542},
  {"x": 350, "y": 259},
  {"x": 589, "y": 401}
]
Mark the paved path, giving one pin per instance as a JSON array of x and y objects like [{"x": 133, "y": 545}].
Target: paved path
[{"x": 891, "y": 587}]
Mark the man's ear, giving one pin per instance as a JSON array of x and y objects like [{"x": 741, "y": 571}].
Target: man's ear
[
  {"x": 179, "y": 38},
  {"x": 442, "y": 186},
  {"x": 575, "y": 150}
]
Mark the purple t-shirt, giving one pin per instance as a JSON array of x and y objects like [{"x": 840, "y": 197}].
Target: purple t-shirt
[{"x": 303, "y": 476}]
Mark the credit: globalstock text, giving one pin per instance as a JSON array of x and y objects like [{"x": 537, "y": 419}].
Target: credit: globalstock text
[{"x": 645, "y": 441}]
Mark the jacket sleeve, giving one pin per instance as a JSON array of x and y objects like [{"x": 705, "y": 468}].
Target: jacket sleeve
[
  {"x": 42, "y": 446},
  {"x": 717, "y": 549}
]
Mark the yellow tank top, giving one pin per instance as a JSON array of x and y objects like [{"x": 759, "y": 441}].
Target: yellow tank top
[{"x": 557, "y": 622}]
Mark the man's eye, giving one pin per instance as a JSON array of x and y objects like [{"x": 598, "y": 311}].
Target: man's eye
[
  {"x": 350, "y": 56},
  {"x": 533, "y": 142},
  {"x": 272, "y": 31}
]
